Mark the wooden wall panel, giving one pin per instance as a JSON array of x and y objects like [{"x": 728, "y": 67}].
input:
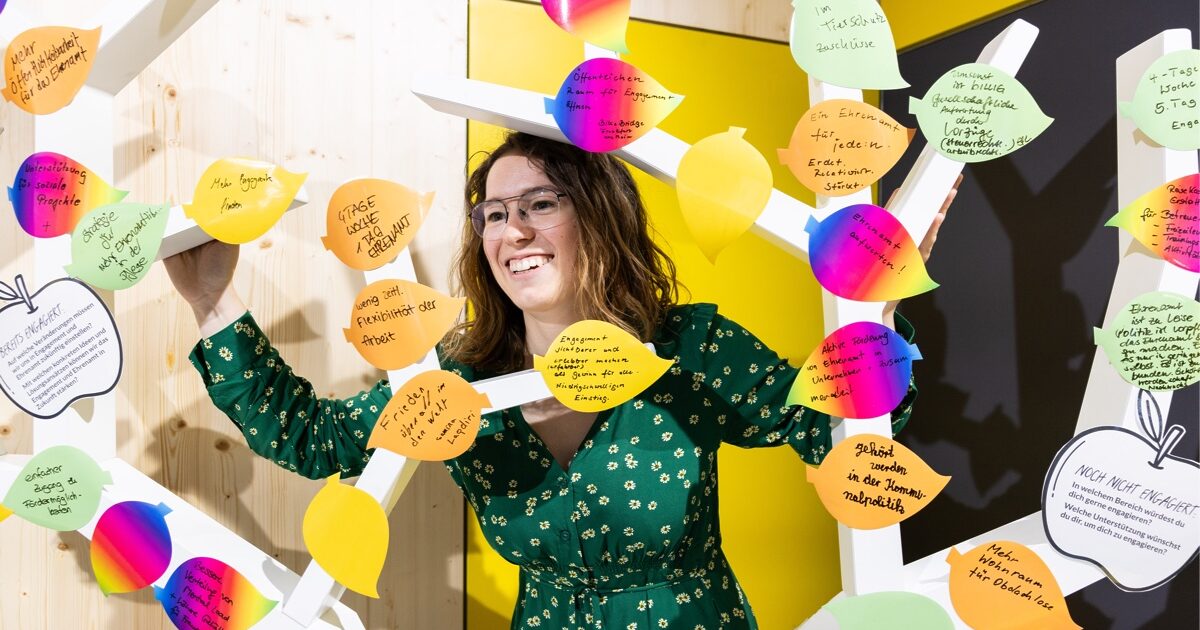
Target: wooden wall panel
[{"x": 318, "y": 87}]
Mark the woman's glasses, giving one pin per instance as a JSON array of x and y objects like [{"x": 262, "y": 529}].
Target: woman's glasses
[{"x": 540, "y": 208}]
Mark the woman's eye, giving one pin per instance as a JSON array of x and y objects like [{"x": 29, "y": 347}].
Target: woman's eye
[
  {"x": 494, "y": 216},
  {"x": 542, "y": 205}
]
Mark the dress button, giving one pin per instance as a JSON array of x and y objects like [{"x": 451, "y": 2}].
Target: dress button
[{"x": 564, "y": 535}]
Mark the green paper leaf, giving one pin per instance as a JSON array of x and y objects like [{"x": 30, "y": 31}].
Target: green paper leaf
[
  {"x": 58, "y": 489},
  {"x": 1154, "y": 341},
  {"x": 845, "y": 42},
  {"x": 1166, "y": 103},
  {"x": 895, "y": 610},
  {"x": 976, "y": 112},
  {"x": 114, "y": 245}
]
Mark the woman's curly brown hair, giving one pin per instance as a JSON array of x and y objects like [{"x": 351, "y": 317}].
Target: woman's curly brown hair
[{"x": 623, "y": 277}]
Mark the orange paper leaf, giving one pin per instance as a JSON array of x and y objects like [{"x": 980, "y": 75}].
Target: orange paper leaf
[
  {"x": 396, "y": 322},
  {"x": 46, "y": 66},
  {"x": 843, "y": 146},
  {"x": 870, "y": 481},
  {"x": 369, "y": 221},
  {"x": 434, "y": 417},
  {"x": 1004, "y": 584}
]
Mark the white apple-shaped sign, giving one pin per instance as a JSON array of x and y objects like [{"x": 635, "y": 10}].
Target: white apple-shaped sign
[
  {"x": 56, "y": 346},
  {"x": 1124, "y": 503}
]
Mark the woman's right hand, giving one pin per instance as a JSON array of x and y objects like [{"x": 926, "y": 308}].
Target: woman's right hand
[{"x": 203, "y": 275}]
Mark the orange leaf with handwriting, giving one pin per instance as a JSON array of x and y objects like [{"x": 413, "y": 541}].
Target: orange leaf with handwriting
[
  {"x": 870, "y": 481},
  {"x": 370, "y": 221},
  {"x": 396, "y": 322},
  {"x": 841, "y": 146},
  {"x": 45, "y": 67},
  {"x": 433, "y": 417},
  {"x": 1005, "y": 585}
]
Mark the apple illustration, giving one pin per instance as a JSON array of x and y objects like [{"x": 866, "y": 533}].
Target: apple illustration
[
  {"x": 56, "y": 346},
  {"x": 1121, "y": 501}
]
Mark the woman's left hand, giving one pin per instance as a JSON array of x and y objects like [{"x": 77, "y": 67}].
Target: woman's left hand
[{"x": 889, "y": 310}]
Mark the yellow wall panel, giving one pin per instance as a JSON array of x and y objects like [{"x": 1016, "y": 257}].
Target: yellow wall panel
[
  {"x": 915, "y": 22},
  {"x": 781, "y": 543}
]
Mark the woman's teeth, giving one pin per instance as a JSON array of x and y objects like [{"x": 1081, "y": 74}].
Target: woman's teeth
[{"x": 527, "y": 263}]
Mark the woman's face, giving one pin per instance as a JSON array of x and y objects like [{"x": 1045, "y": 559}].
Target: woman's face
[{"x": 535, "y": 268}]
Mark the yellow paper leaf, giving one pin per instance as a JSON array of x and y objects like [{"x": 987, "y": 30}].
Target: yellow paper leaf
[
  {"x": 1005, "y": 585},
  {"x": 369, "y": 221},
  {"x": 870, "y": 481},
  {"x": 723, "y": 185},
  {"x": 396, "y": 322},
  {"x": 4, "y": 513},
  {"x": 594, "y": 365},
  {"x": 46, "y": 66},
  {"x": 238, "y": 200},
  {"x": 346, "y": 532},
  {"x": 433, "y": 417}
]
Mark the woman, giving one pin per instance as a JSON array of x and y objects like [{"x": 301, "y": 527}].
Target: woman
[{"x": 612, "y": 517}]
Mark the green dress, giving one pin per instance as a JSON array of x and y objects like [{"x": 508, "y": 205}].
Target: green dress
[{"x": 628, "y": 536}]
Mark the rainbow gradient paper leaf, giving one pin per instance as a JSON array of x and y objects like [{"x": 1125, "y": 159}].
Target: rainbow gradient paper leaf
[
  {"x": 891, "y": 610},
  {"x": 599, "y": 22},
  {"x": 370, "y": 221},
  {"x": 396, "y": 322},
  {"x": 1004, "y": 584},
  {"x": 1109, "y": 480},
  {"x": 723, "y": 184},
  {"x": 863, "y": 253},
  {"x": 238, "y": 200},
  {"x": 2, "y": 4},
  {"x": 976, "y": 112},
  {"x": 51, "y": 193},
  {"x": 58, "y": 489},
  {"x": 604, "y": 104},
  {"x": 1166, "y": 103},
  {"x": 860, "y": 370},
  {"x": 46, "y": 66},
  {"x": 433, "y": 417},
  {"x": 131, "y": 546},
  {"x": 209, "y": 594},
  {"x": 870, "y": 481},
  {"x": 841, "y": 146},
  {"x": 1154, "y": 341},
  {"x": 845, "y": 42},
  {"x": 356, "y": 560},
  {"x": 594, "y": 365},
  {"x": 113, "y": 246},
  {"x": 1167, "y": 221},
  {"x": 64, "y": 324}
]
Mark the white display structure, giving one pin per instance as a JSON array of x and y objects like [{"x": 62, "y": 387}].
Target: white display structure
[{"x": 133, "y": 34}]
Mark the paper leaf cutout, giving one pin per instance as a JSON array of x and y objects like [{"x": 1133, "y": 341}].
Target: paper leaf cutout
[
  {"x": 869, "y": 482},
  {"x": 847, "y": 43},
  {"x": 353, "y": 560},
  {"x": 594, "y": 365},
  {"x": 433, "y": 417},
  {"x": 131, "y": 546},
  {"x": 51, "y": 193},
  {"x": 58, "y": 489},
  {"x": 976, "y": 112},
  {"x": 1124, "y": 503},
  {"x": 113, "y": 246},
  {"x": 4, "y": 513},
  {"x": 396, "y": 322},
  {"x": 1154, "y": 341},
  {"x": 238, "y": 200},
  {"x": 599, "y": 22},
  {"x": 1003, "y": 584},
  {"x": 46, "y": 66},
  {"x": 56, "y": 346},
  {"x": 370, "y": 221},
  {"x": 888, "y": 609},
  {"x": 1167, "y": 221},
  {"x": 207, "y": 593},
  {"x": 841, "y": 146},
  {"x": 604, "y": 104},
  {"x": 723, "y": 184},
  {"x": 860, "y": 370},
  {"x": 1166, "y": 103},
  {"x": 862, "y": 252}
]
